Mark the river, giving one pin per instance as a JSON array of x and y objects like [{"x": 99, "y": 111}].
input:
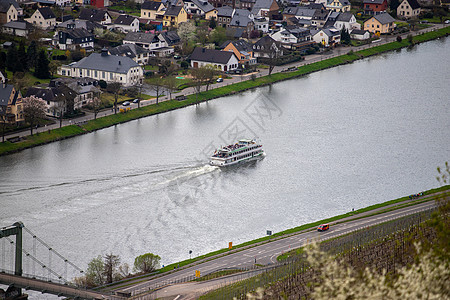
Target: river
[{"x": 343, "y": 138}]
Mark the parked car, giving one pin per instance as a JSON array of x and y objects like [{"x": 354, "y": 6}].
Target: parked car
[
  {"x": 176, "y": 57},
  {"x": 126, "y": 103},
  {"x": 219, "y": 80},
  {"x": 135, "y": 100},
  {"x": 447, "y": 21},
  {"x": 323, "y": 227}
]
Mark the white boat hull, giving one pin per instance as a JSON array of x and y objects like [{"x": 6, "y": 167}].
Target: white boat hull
[{"x": 224, "y": 163}]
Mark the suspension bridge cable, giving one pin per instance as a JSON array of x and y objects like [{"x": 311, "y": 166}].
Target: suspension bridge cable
[{"x": 50, "y": 248}]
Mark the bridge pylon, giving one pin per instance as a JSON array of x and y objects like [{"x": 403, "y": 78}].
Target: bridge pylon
[{"x": 15, "y": 229}]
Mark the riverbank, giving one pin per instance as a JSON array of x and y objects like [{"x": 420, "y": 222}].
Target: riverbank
[{"x": 73, "y": 130}]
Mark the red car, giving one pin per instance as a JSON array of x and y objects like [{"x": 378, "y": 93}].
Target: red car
[{"x": 323, "y": 227}]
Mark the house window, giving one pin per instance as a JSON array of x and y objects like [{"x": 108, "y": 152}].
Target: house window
[
  {"x": 95, "y": 73},
  {"x": 88, "y": 73},
  {"x": 111, "y": 76},
  {"x": 103, "y": 74}
]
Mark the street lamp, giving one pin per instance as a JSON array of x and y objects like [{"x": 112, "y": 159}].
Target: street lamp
[{"x": 190, "y": 252}]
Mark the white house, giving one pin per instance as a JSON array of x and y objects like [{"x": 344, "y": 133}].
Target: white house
[
  {"x": 326, "y": 36},
  {"x": 261, "y": 24},
  {"x": 126, "y": 23},
  {"x": 109, "y": 68},
  {"x": 290, "y": 36},
  {"x": 9, "y": 11},
  {"x": 43, "y": 18},
  {"x": 408, "y": 9},
  {"x": 223, "y": 60},
  {"x": 145, "y": 40},
  {"x": 346, "y": 20},
  {"x": 18, "y": 28},
  {"x": 357, "y": 34},
  {"x": 201, "y": 8}
]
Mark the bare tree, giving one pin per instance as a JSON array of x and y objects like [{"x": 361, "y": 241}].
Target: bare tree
[
  {"x": 96, "y": 103},
  {"x": 111, "y": 262},
  {"x": 114, "y": 88},
  {"x": 33, "y": 109},
  {"x": 171, "y": 85},
  {"x": 157, "y": 86},
  {"x": 3, "y": 119}
]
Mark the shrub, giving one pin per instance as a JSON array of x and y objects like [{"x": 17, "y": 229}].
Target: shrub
[
  {"x": 399, "y": 39},
  {"x": 102, "y": 84}
]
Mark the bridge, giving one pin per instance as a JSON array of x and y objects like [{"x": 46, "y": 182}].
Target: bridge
[{"x": 27, "y": 262}]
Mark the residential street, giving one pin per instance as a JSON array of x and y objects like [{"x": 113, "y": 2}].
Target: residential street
[{"x": 235, "y": 78}]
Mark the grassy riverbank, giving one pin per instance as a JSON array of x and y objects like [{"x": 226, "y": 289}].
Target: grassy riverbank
[{"x": 103, "y": 122}]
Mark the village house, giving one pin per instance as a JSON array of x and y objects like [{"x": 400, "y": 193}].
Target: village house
[
  {"x": 99, "y": 3},
  {"x": 11, "y": 109},
  {"x": 224, "y": 15},
  {"x": 171, "y": 38},
  {"x": 261, "y": 24},
  {"x": 342, "y": 20},
  {"x": 97, "y": 16},
  {"x": 9, "y": 11},
  {"x": 200, "y": 8},
  {"x": 374, "y": 7},
  {"x": 17, "y": 28},
  {"x": 328, "y": 37},
  {"x": 43, "y": 18},
  {"x": 71, "y": 39},
  {"x": 85, "y": 88},
  {"x": 265, "y": 46},
  {"x": 299, "y": 12},
  {"x": 320, "y": 17},
  {"x": 408, "y": 9},
  {"x": 80, "y": 24},
  {"x": 133, "y": 51},
  {"x": 126, "y": 23},
  {"x": 265, "y": 8},
  {"x": 152, "y": 9},
  {"x": 145, "y": 40},
  {"x": 358, "y": 34},
  {"x": 60, "y": 100},
  {"x": 109, "y": 68},
  {"x": 292, "y": 37},
  {"x": 174, "y": 15},
  {"x": 223, "y": 60},
  {"x": 381, "y": 23},
  {"x": 242, "y": 18},
  {"x": 338, "y": 5},
  {"x": 243, "y": 51}
]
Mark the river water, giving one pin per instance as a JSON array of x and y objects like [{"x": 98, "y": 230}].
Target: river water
[{"x": 342, "y": 138}]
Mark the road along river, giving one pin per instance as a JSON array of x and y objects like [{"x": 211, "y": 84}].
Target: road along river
[{"x": 342, "y": 138}]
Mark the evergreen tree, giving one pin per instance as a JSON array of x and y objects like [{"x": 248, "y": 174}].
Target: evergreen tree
[
  {"x": 212, "y": 23},
  {"x": 345, "y": 36},
  {"x": 2, "y": 61},
  {"x": 11, "y": 58},
  {"x": 21, "y": 58},
  {"x": 42, "y": 69},
  {"x": 32, "y": 55}
]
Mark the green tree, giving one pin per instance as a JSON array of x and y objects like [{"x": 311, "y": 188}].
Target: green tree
[
  {"x": 42, "y": 68},
  {"x": 21, "y": 58},
  {"x": 218, "y": 36},
  {"x": 53, "y": 67},
  {"x": 146, "y": 263},
  {"x": 110, "y": 263},
  {"x": 345, "y": 36},
  {"x": 32, "y": 55},
  {"x": 34, "y": 110},
  {"x": 95, "y": 272},
  {"x": 12, "y": 58},
  {"x": 212, "y": 23}
]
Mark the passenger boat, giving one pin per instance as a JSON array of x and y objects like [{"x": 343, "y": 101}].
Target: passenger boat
[{"x": 243, "y": 150}]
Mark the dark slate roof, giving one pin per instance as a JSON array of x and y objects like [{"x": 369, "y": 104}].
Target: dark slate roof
[
  {"x": 88, "y": 25},
  {"x": 46, "y": 13},
  {"x": 64, "y": 18},
  {"x": 298, "y": 31},
  {"x": 373, "y": 1},
  {"x": 5, "y": 4},
  {"x": 384, "y": 18},
  {"x": 344, "y": 2},
  {"x": 129, "y": 50},
  {"x": 241, "y": 18},
  {"x": 171, "y": 37},
  {"x": 344, "y": 17},
  {"x": 54, "y": 94},
  {"x": 315, "y": 6},
  {"x": 358, "y": 31},
  {"x": 93, "y": 15},
  {"x": 261, "y": 4},
  {"x": 320, "y": 14},
  {"x": 241, "y": 45},
  {"x": 173, "y": 11},
  {"x": 264, "y": 42},
  {"x": 5, "y": 93},
  {"x": 77, "y": 33},
  {"x": 124, "y": 20},
  {"x": 108, "y": 63},
  {"x": 140, "y": 37},
  {"x": 211, "y": 55},
  {"x": 226, "y": 11},
  {"x": 414, "y": 4},
  {"x": 203, "y": 5},
  {"x": 235, "y": 32},
  {"x": 23, "y": 25},
  {"x": 151, "y": 5}
]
